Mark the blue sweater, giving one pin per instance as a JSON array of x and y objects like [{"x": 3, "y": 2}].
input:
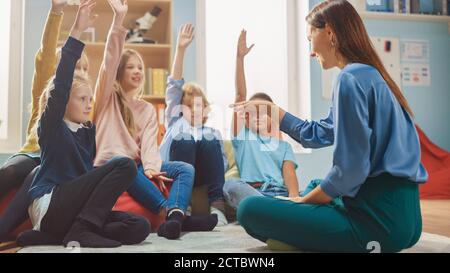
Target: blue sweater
[
  {"x": 372, "y": 134},
  {"x": 65, "y": 155}
]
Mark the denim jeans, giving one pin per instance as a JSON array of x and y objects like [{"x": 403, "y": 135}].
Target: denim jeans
[
  {"x": 148, "y": 195},
  {"x": 206, "y": 157},
  {"x": 236, "y": 190}
]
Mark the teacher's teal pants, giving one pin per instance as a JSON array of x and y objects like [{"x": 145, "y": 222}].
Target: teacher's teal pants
[{"x": 384, "y": 216}]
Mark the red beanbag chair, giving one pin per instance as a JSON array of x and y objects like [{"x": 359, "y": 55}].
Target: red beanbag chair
[
  {"x": 128, "y": 204},
  {"x": 437, "y": 163},
  {"x": 4, "y": 202}
]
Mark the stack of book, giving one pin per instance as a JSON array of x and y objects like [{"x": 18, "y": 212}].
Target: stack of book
[
  {"x": 436, "y": 7},
  {"x": 155, "y": 82}
]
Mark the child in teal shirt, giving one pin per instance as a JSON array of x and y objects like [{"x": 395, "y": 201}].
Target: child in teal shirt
[{"x": 266, "y": 163}]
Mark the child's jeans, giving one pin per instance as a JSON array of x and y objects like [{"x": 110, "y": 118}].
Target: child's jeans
[
  {"x": 151, "y": 197},
  {"x": 206, "y": 157},
  {"x": 236, "y": 190}
]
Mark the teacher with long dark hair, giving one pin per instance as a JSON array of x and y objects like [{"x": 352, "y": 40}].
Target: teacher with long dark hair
[{"x": 370, "y": 196}]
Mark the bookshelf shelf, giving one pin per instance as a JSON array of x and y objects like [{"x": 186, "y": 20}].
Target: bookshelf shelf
[
  {"x": 154, "y": 98},
  {"x": 405, "y": 17},
  {"x": 360, "y": 6}
]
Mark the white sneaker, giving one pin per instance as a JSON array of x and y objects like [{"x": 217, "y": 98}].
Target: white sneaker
[{"x": 222, "y": 220}]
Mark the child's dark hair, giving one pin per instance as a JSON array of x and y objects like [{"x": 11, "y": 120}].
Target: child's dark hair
[{"x": 261, "y": 96}]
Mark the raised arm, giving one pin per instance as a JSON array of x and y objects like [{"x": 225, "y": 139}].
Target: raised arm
[
  {"x": 53, "y": 115},
  {"x": 46, "y": 58},
  {"x": 104, "y": 87},
  {"x": 174, "y": 93},
  {"x": 241, "y": 85}
]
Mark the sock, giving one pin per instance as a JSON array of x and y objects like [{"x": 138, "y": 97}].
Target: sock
[
  {"x": 83, "y": 234},
  {"x": 222, "y": 219},
  {"x": 279, "y": 246},
  {"x": 171, "y": 229},
  {"x": 35, "y": 238},
  {"x": 200, "y": 223}
]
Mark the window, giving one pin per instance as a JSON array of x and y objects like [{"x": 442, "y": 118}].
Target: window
[
  {"x": 5, "y": 26},
  {"x": 10, "y": 75},
  {"x": 276, "y": 28}
]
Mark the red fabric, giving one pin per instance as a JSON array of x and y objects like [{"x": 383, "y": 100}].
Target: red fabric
[
  {"x": 124, "y": 203},
  {"x": 437, "y": 163}
]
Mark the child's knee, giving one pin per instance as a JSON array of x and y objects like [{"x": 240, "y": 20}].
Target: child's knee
[
  {"x": 126, "y": 165},
  {"x": 210, "y": 145},
  {"x": 185, "y": 169},
  {"x": 8, "y": 172},
  {"x": 183, "y": 140}
]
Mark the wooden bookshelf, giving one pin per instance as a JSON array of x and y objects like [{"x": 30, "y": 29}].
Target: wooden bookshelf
[
  {"x": 154, "y": 98},
  {"x": 360, "y": 6}
]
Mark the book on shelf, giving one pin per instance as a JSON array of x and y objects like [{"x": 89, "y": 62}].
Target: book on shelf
[
  {"x": 159, "y": 81},
  {"x": 432, "y": 7},
  {"x": 402, "y": 6},
  {"x": 435, "y": 7},
  {"x": 441, "y": 7},
  {"x": 148, "y": 86}
]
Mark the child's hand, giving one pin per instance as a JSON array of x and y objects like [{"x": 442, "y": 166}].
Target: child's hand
[
  {"x": 160, "y": 178},
  {"x": 58, "y": 6},
  {"x": 120, "y": 9},
  {"x": 297, "y": 199},
  {"x": 85, "y": 19},
  {"x": 185, "y": 36},
  {"x": 242, "y": 49}
]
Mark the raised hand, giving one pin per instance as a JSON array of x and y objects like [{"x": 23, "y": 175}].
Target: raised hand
[
  {"x": 120, "y": 9},
  {"x": 58, "y": 6},
  {"x": 186, "y": 35},
  {"x": 242, "y": 49},
  {"x": 85, "y": 18}
]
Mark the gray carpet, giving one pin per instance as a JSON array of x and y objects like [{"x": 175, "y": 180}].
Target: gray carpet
[{"x": 229, "y": 239}]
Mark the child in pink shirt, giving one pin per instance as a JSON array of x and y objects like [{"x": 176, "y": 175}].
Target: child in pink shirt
[{"x": 127, "y": 126}]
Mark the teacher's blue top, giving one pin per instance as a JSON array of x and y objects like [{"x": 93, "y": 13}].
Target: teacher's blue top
[{"x": 371, "y": 132}]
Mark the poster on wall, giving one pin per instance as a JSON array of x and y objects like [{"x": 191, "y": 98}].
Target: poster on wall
[
  {"x": 416, "y": 75},
  {"x": 415, "y": 51}
]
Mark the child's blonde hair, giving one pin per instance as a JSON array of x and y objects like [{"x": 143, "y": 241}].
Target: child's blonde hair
[
  {"x": 127, "y": 115},
  {"x": 191, "y": 91},
  {"x": 84, "y": 58},
  {"x": 79, "y": 79}
]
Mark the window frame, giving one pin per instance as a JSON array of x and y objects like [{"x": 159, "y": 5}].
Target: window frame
[{"x": 14, "y": 139}]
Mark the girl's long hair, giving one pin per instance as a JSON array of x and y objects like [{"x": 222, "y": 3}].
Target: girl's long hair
[{"x": 125, "y": 110}]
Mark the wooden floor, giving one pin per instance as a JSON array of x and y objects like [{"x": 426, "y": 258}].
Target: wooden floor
[{"x": 435, "y": 216}]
